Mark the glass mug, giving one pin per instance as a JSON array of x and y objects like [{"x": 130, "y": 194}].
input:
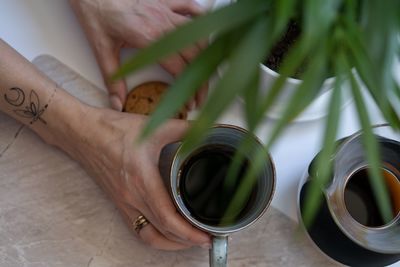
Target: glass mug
[
  {"x": 197, "y": 185},
  {"x": 348, "y": 226}
]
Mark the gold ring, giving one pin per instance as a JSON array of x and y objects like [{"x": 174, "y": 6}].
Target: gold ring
[{"x": 139, "y": 223}]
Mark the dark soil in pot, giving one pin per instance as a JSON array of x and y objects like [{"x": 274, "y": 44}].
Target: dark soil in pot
[{"x": 279, "y": 51}]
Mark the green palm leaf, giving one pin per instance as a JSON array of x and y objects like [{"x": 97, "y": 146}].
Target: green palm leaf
[
  {"x": 217, "y": 22},
  {"x": 282, "y": 12},
  {"x": 369, "y": 74},
  {"x": 307, "y": 91},
  {"x": 251, "y": 101},
  {"x": 372, "y": 153},
  {"x": 186, "y": 85},
  {"x": 323, "y": 166},
  {"x": 249, "y": 52},
  {"x": 290, "y": 64},
  {"x": 300, "y": 99},
  {"x": 244, "y": 33}
]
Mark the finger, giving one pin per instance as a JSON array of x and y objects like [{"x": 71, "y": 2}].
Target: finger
[
  {"x": 166, "y": 214},
  {"x": 175, "y": 130},
  {"x": 191, "y": 104},
  {"x": 186, "y": 7},
  {"x": 160, "y": 228},
  {"x": 166, "y": 218},
  {"x": 174, "y": 64},
  {"x": 179, "y": 19},
  {"x": 188, "y": 54},
  {"x": 133, "y": 214},
  {"x": 203, "y": 43},
  {"x": 155, "y": 239},
  {"x": 149, "y": 234},
  {"x": 108, "y": 60},
  {"x": 191, "y": 52},
  {"x": 201, "y": 95}
]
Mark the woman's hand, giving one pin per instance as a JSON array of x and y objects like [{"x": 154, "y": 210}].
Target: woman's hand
[
  {"x": 111, "y": 25},
  {"x": 129, "y": 173},
  {"x": 103, "y": 142}
]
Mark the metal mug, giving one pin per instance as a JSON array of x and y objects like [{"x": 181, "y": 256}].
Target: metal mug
[
  {"x": 171, "y": 164},
  {"x": 338, "y": 233}
]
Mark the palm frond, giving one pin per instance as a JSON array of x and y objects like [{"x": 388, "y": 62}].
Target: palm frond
[
  {"x": 249, "y": 52},
  {"x": 350, "y": 36},
  {"x": 379, "y": 189},
  {"x": 218, "y": 22},
  {"x": 323, "y": 166},
  {"x": 251, "y": 100},
  {"x": 186, "y": 85},
  {"x": 313, "y": 79}
]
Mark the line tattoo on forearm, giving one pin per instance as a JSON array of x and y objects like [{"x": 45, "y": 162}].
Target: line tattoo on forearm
[
  {"x": 18, "y": 100},
  {"x": 32, "y": 110}
]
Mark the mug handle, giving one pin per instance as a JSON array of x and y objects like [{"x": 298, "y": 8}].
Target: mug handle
[
  {"x": 165, "y": 161},
  {"x": 219, "y": 251}
]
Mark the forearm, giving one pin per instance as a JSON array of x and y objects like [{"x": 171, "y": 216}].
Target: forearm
[
  {"x": 104, "y": 143},
  {"x": 31, "y": 98}
]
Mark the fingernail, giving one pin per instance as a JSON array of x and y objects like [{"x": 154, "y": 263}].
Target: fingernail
[
  {"x": 206, "y": 245},
  {"x": 115, "y": 102},
  {"x": 192, "y": 105}
]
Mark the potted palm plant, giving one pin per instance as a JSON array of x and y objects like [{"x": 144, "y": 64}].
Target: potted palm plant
[{"x": 353, "y": 40}]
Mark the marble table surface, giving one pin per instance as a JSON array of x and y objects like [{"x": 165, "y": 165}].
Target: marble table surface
[{"x": 53, "y": 214}]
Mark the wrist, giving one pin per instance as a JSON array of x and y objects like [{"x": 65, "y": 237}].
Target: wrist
[{"x": 66, "y": 120}]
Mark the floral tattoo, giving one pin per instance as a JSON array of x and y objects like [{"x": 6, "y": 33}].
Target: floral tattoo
[{"x": 32, "y": 110}]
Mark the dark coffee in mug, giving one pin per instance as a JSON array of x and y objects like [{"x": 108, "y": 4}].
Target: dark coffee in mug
[
  {"x": 360, "y": 201},
  {"x": 205, "y": 190}
]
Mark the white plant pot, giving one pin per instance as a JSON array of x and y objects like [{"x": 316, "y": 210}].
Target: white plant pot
[{"x": 317, "y": 109}]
